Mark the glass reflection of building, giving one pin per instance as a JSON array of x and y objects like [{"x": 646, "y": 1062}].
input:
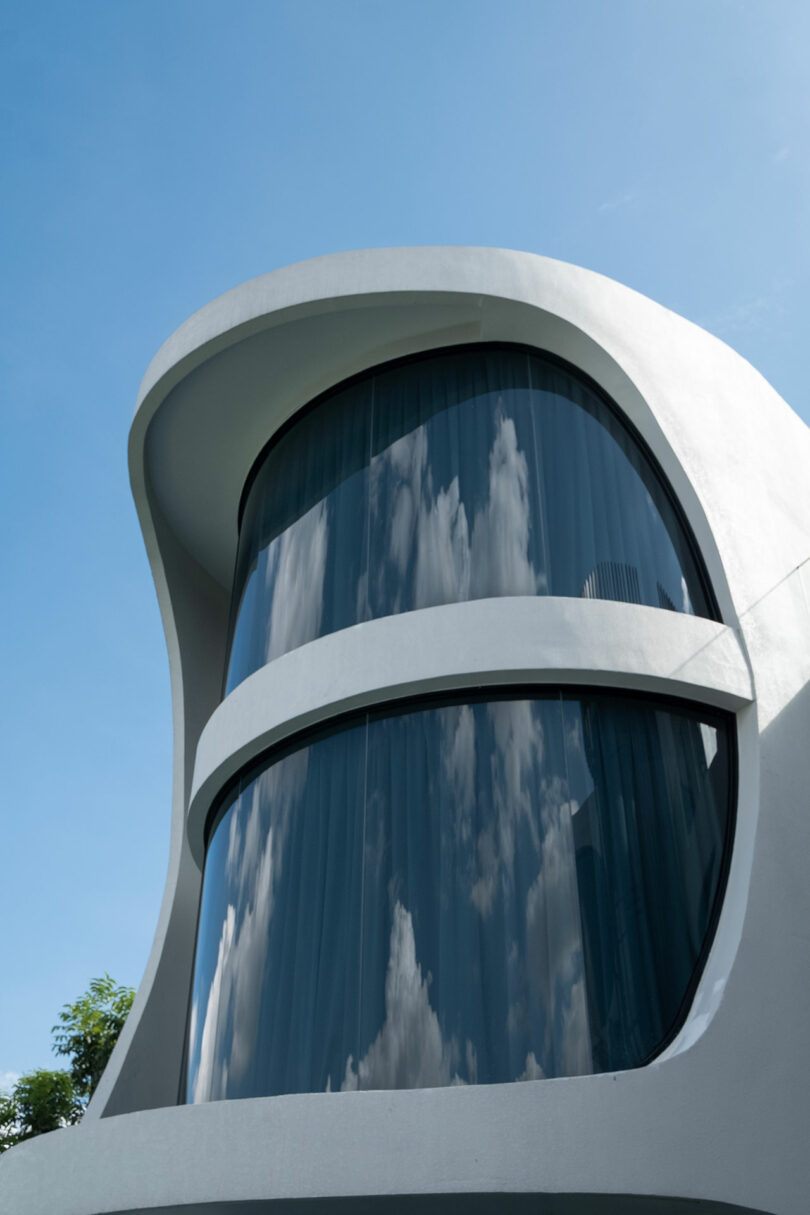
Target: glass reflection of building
[{"x": 484, "y": 583}]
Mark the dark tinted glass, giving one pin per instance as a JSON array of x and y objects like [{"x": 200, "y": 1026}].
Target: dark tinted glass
[
  {"x": 474, "y": 473},
  {"x": 466, "y": 893}
]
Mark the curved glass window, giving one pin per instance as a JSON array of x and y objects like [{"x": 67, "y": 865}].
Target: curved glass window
[
  {"x": 460, "y": 893},
  {"x": 472, "y": 473}
]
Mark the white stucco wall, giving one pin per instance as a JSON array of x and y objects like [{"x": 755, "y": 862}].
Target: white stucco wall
[{"x": 723, "y": 1114}]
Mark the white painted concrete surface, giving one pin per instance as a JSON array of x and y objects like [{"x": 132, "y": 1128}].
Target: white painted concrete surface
[
  {"x": 482, "y": 643},
  {"x": 723, "y": 1115}
]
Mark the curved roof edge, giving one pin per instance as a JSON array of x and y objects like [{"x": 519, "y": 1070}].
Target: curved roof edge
[{"x": 358, "y": 272}]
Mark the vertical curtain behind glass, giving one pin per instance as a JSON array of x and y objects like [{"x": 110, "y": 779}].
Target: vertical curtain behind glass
[
  {"x": 466, "y": 475},
  {"x": 472, "y": 893}
]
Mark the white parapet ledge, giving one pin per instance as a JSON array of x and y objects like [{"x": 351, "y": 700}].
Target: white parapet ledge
[
  {"x": 307, "y": 1151},
  {"x": 483, "y": 643}
]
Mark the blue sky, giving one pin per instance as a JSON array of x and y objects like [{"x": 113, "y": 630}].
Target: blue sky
[{"x": 157, "y": 152}]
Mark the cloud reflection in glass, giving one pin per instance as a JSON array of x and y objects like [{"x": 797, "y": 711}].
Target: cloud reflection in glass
[
  {"x": 459, "y": 893},
  {"x": 468, "y": 474}
]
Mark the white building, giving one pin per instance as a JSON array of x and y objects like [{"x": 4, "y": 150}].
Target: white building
[{"x": 486, "y": 589}]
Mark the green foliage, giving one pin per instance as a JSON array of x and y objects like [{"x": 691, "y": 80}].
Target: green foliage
[
  {"x": 40, "y": 1101},
  {"x": 8, "y": 1121},
  {"x": 88, "y": 1030}
]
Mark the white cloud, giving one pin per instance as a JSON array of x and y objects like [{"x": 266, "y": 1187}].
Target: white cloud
[
  {"x": 211, "y": 1076},
  {"x": 408, "y": 455},
  {"x": 458, "y": 759},
  {"x": 407, "y": 458},
  {"x": 577, "y": 1059},
  {"x": 253, "y": 868},
  {"x": 554, "y": 956},
  {"x": 433, "y": 526},
  {"x": 532, "y": 1070},
  {"x": 518, "y": 757},
  {"x": 749, "y": 313},
  {"x": 443, "y": 551},
  {"x": 708, "y": 735},
  {"x": 618, "y": 203},
  {"x": 471, "y": 1059},
  {"x": 452, "y": 564},
  {"x": 8, "y": 1080},
  {"x": 499, "y": 562},
  {"x": 295, "y": 565},
  {"x": 554, "y": 966},
  {"x": 579, "y": 781},
  {"x": 247, "y": 960},
  {"x": 409, "y": 1051},
  {"x": 516, "y": 762},
  {"x": 686, "y": 602}
]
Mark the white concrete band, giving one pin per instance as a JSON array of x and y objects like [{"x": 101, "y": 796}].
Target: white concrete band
[
  {"x": 485, "y": 1141},
  {"x": 485, "y": 643}
]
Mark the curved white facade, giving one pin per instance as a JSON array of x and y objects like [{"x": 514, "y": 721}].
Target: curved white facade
[{"x": 722, "y": 1114}]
